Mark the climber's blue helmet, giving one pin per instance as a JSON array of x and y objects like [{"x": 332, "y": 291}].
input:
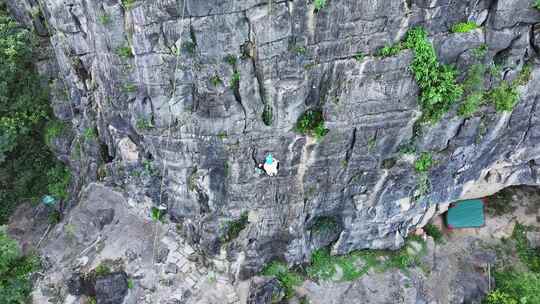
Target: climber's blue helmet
[{"x": 269, "y": 159}]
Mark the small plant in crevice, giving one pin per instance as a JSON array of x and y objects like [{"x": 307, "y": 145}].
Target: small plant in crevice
[
  {"x": 390, "y": 50},
  {"x": 481, "y": 51},
  {"x": 359, "y": 57},
  {"x": 130, "y": 283},
  {"x": 89, "y": 134},
  {"x": 128, "y": 4},
  {"x": 424, "y": 162},
  {"x": 157, "y": 214},
  {"x": 463, "y": 27},
  {"x": 215, "y": 80},
  {"x": 319, "y": 4},
  {"x": 124, "y": 51},
  {"x": 234, "y": 227},
  {"x": 104, "y": 19},
  {"x": 235, "y": 81},
  {"x": 311, "y": 123},
  {"x": 231, "y": 60},
  {"x": 144, "y": 124},
  {"x": 299, "y": 49}
]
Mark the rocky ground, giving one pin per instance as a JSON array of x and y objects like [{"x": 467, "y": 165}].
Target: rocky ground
[{"x": 149, "y": 261}]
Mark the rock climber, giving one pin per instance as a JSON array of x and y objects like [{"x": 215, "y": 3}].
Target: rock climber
[{"x": 270, "y": 165}]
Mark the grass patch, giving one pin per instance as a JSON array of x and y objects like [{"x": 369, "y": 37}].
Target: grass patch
[
  {"x": 424, "y": 162},
  {"x": 311, "y": 123},
  {"x": 233, "y": 228},
  {"x": 437, "y": 82},
  {"x": 463, "y": 27}
]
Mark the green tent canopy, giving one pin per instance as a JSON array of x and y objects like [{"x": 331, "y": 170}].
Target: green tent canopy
[{"x": 466, "y": 214}]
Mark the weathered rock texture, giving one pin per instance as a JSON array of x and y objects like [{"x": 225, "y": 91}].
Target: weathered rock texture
[{"x": 173, "y": 129}]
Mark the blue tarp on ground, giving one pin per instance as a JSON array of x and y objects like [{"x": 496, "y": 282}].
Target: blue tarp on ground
[{"x": 466, "y": 214}]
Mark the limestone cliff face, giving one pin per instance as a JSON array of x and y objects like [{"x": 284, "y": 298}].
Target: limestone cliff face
[{"x": 176, "y": 127}]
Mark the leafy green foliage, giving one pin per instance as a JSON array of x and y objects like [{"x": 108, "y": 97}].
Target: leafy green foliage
[
  {"x": 359, "y": 56},
  {"x": 424, "y": 162},
  {"x": 390, "y": 50},
  {"x": 53, "y": 129},
  {"x": 528, "y": 256},
  {"x": 59, "y": 179},
  {"x": 24, "y": 112},
  {"x": 536, "y": 4},
  {"x": 235, "y": 80},
  {"x": 437, "y": 82},
  {"x": 104, "y": 19},
  {"x": 233, "y": 228},
  {"x": 287, "y": 278},
  {"x": 130, "y": 283},
  {"x": 144, "y": 124},
  {"x": 89, "y": 134},
  {"x": 499, "y": 297},
  {"x": 102, "y": 270},
  {"x": 156, "y": 214},
  {"x": 473, "y": 87},
  {"x": 480, "y": 51},
  {"x": 124, "y": 51},
  {"x": 463, "y": 27},
  {"x": 215, "y": 80},
  {"x": 504, "y": 97},
  {"x": 515, "y": 287},
  {"x": 128, "y": 4},
  {"x": 311, "y": 123},
  {"x": 434, "y": 232},
  {"x": 319, "y": 4},
  {"x": 15, "y": 271},
  {"x": 231, "y": 60}
]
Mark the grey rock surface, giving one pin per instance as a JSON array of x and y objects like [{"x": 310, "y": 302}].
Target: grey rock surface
[{"x": 169, "y": 134}]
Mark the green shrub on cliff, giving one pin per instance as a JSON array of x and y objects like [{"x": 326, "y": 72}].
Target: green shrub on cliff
[
  {"x": 437, "y": 82},
  {"x": 464, "y": 27},
  {"x": 24, "y": 114},
  {"x": 15, "y": 271},
  {"x": 536, "y": 4}
]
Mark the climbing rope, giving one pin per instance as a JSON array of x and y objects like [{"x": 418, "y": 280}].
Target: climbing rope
[{"x": 155, "y": 245}]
